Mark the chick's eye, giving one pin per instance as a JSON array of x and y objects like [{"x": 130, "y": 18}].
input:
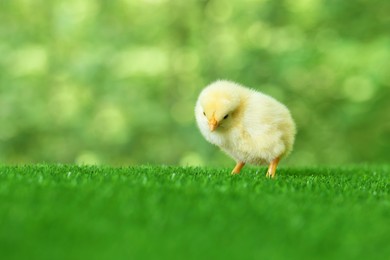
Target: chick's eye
[
  {"x": 225, "y": 116},
  {"x": 204, "y": 113}
]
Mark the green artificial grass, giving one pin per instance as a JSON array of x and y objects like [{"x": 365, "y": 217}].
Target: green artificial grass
[{"x": 161, "y": 212}]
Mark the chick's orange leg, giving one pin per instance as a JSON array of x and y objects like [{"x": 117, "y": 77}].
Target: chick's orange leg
[
  {"x": 272, "y": 168},
  {"x": 238, "y": 168}
]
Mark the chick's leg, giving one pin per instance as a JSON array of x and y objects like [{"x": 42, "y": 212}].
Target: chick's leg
[
  {"x": 238, "y": 168},
  {"x": 272, "y": 168}
]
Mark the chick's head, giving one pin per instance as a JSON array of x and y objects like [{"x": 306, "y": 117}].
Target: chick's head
[{"x": 217, "y": 107}]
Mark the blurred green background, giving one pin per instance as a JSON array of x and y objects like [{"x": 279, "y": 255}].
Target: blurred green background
[{"x": 115, "y": 82}]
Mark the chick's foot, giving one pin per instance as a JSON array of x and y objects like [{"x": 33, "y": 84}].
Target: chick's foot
[
  {"x": 238, "y": 168},
  {"x": 272, "y": 168}
]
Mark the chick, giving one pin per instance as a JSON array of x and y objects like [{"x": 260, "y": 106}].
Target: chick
[{"x": 246, "y": 124}]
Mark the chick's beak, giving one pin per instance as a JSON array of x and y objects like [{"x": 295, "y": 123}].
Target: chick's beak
[{"x": 213, "y": 124}]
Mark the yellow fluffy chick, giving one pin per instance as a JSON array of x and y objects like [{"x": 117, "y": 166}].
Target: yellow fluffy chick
[{"x": 248, "y": 125}]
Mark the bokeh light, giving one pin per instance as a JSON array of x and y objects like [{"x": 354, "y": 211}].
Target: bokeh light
[{"x": 115, "y": 82}]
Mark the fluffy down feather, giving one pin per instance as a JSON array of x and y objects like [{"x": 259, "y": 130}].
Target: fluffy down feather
[{"x": 248, "y": 125}]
